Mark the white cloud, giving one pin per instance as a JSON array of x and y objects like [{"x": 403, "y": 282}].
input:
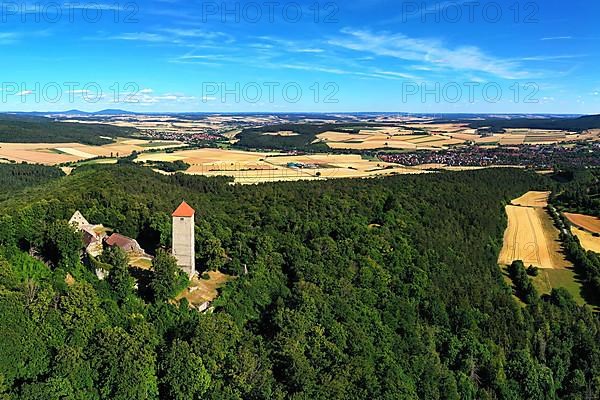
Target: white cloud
[
  {"x": 184, "y": 37},
  {"x": 431, "y": 52},
  {"x": 144, "y": 97},
  {"x": 558, "y": 38}
]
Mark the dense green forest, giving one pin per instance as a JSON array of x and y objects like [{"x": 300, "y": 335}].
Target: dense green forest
[
  {"x": 255, "y": 138},
  {"x": 580, "y": 193},
  {"x": 357, "y": 289},
  {"x": 28, "y": 129},
  {"x": 19, "y": 176},
  {"x": 167, "y": 166}
]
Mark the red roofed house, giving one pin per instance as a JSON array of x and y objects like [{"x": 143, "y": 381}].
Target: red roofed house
[{"x": 184, "y": 238}]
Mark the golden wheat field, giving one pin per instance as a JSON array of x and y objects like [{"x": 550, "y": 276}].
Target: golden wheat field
[
  {"x": 431, "y": 136},
  {"x": 532, "y": 199},
  {"x": 387, "y": 138},
  {"x": 588, "y": 241},
  {"x": 531, "y": 236}
]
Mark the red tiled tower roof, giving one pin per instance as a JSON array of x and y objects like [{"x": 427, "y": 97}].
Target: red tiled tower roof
[{"x": 184, "y": 210}]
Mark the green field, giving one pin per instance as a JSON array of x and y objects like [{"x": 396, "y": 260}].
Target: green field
[{"x": 549, "y": 279}]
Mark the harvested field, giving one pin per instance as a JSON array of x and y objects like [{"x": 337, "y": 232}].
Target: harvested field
[
  {"x": 391, "y": 138},
  {"x": 531, "y": 236},
  {"x": 585, "y": 222},
  {"x": 532, "y": 199},
  {"x": 428, "y": 136},
  {"x": 75, "y": 152},
  {"x": 250, "y": 167},
  {"x": 55, "y": 153},
  {"x": 511, "y": 140},
  {"x": 379, "y": 144},
  {"x": 588, "y": 241}
]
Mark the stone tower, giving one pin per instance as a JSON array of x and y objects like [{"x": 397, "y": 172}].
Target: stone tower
[{"x": 183, "y": 238}]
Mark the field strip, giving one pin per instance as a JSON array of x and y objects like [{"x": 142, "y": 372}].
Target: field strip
[
  {"x": 586, "y": 222},
  {"x": 530, "y": 235},
  {"x": 75, "y": 152}
]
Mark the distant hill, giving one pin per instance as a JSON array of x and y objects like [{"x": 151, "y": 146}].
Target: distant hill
[
  {"x": 111, "y": 111},
  {"x": 35, "y": 129},
  {"x": 568, "y": 124}
]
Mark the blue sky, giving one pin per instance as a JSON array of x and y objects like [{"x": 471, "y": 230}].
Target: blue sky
[{"x": 364, "y": 55}]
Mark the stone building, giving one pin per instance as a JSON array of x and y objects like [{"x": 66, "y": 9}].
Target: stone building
[
  {"x": 128, "y": 245},
  {"x": 184, "y": 238},
  {"x": 93, "y": 235}
]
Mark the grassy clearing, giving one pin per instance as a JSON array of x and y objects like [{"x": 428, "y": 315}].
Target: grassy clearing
[
  {"x": 205, "y": 290},
  {"x": 549, "y": 279}
]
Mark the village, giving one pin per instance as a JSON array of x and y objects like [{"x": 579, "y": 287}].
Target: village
[{"x": 202, "y": 289}]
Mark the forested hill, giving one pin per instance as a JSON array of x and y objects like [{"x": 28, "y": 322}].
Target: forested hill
[
  {"x": 14, "y": 177},
  {"x": 357, "y": 289},
  {"x": 568, "y": 124},
  {"x": 29, "y": 129}
]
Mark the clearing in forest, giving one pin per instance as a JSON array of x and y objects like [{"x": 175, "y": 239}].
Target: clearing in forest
[
  {"x": 555, "y": 278},
  {"x": 531, "y": 236},
  {"x": 203, "y": 290}
]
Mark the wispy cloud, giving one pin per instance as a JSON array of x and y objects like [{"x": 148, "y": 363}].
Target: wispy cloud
[
  {"x": 145, "y": 97},
  {"x": 369, "y": 73},
  {"x": 290, "y": 46},
  {"x": 180, "y": 37},
  {"x": 552, "y": 58},
  {"x": 431, "y": 52},
  {"x": 425, "y": 12},
  {"x": 557, "y": 38},
  {"x": 16, "y": 37},
  {"x": 9, "y": 37}
]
